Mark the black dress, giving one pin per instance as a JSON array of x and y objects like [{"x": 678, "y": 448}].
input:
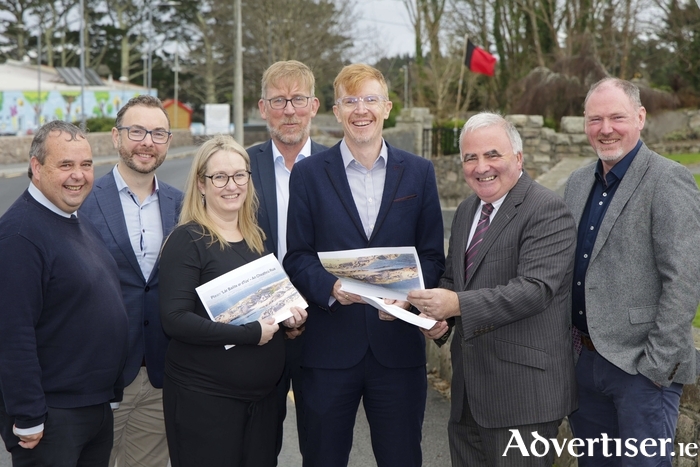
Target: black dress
[{"x": 219, "y": 404}]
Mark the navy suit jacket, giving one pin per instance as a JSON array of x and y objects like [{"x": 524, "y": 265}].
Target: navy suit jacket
[
  {"x": 146, "y": 336},
  {"x": 323, "y": 217},
  {"x": 262, "y": 165}
]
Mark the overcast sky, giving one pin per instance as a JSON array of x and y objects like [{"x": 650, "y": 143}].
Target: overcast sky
[{"x": 388, "y": 20}]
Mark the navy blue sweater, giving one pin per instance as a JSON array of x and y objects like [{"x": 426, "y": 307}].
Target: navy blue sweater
[{"x": 63, "y": 327}]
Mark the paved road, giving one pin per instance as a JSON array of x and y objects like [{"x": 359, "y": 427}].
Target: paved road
[
  {"x": 13, "y": 181},
  {"x": 13, "y": 178},
  {"x": 435, "y": 448}
]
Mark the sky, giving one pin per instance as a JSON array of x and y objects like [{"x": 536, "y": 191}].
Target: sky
[{"x": 389, "y": 19}]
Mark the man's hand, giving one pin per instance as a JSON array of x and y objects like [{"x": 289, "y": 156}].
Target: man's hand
[
  {"x": 293, "y": 333},
  {"x": 345, "y": 298},
  {"x": 384, "y": 316},
  {"x": 298, "y": 318},
  {"x": 295, "y": 323},
  {"x": 437, "y": 331},
  {"x": 438, "y": 304},
  {"x": 28, "y": 441}
]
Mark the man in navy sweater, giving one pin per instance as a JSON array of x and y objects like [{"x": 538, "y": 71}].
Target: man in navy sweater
[{"x": 63, "y": 336}]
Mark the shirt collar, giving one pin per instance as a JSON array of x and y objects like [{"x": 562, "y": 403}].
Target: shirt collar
[
  {"x": 620, "y": 169},
  {"x": 348, "y": 157},
  {"x": 305, "y": 152},
  {"x": 121, "y": 184},
  {"x": 44, "y": 201}
]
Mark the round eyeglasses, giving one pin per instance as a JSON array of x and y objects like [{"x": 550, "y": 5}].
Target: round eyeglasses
[
  {"x": 298, "y": 102},
  {"x": 220, "y": 180},
  {"x": 136, "y": 133},
  {"x": 351, "y": 102}
]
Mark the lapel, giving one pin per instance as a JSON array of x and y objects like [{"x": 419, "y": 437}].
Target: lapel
[
  {"x": 394, "y": 171},
  {"x": 628, "y": 186},
  {"x": 315, "y": 147},
  {"x": 579, "y": 190},
  {"x": 339, "y": 180},
  {"x": 168, "y": 217},
  {"x": 505, "y": 214},
  {"x": 266, "y": 167},
  {"x": 107, "y": 198}
]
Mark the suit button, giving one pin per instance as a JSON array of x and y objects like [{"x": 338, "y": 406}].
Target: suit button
[
  {"x": 148, "y": 287},
  {"x": 145, "y": 323}
]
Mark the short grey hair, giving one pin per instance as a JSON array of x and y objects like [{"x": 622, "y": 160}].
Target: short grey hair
[
  {"x": 38, "y": 147},
  {"x": 630, "y": 89},
  {"x": 489, "y": 119}
]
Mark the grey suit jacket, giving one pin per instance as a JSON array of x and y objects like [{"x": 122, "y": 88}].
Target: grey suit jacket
[
  {"x": 511, "y": 353},
  {"x": 642, "y": 280}
]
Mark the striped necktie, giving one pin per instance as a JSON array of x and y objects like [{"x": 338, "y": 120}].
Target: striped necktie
[{"x": 478, "y": 237}]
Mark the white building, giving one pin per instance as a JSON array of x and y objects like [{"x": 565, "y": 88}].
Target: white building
[{"x": 30, "y": 97}]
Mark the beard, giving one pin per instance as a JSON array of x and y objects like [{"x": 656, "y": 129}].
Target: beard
[
  {"x": 290, "y": 139},
  {"x": 610, "y": 156},
  {"x": 128, "y": 160}
]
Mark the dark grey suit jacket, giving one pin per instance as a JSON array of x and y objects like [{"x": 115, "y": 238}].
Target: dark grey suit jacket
[
  {"x": 263, "y": 167},
  {"x": 642, "y": 282},
  {"x": 511, "y": 352}
]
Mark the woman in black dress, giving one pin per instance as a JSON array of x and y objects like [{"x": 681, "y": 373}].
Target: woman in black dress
[{"x": 219, "y": 404}]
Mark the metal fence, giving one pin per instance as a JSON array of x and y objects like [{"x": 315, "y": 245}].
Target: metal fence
[{"x": 439, "y": 142}]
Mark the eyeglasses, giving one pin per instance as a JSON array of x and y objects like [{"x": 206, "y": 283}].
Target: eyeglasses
[
  {"x": 351, "y": 102},
  {"x": 136, "y": 133},
  {"x": 220, "y": 180},
  {"x": 298, "y": 102}
]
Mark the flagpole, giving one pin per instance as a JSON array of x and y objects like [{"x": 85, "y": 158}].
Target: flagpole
[{"x": 461, "y": 77}]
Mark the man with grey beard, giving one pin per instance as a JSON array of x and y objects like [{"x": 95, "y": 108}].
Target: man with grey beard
[
  {"x": 287, "y": 104},
  {"x": 134, "y": 212}
]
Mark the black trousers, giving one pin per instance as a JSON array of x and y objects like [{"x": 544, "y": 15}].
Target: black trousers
[
  {"x": 79, "y": 437},
  {"x": 212, "y": 431},
  {"x": 291, "y": 378}
]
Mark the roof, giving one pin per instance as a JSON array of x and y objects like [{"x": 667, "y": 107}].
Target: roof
[
  {"x": 21, "y": 76},
  {"x": 170, "y": 102}
]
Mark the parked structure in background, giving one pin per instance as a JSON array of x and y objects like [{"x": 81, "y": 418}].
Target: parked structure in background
[{"x": 23, "y": 108}]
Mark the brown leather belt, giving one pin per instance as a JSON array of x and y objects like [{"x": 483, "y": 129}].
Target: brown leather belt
[{"x": 587, "y": 342}]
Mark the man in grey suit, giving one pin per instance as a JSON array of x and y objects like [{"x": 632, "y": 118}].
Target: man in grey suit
[
  {"x": 287, "y": 104},
  {"x": 134, "y": 212},
  {"x": 635, "y": 286},
  {"x": 507, "y": 295}
]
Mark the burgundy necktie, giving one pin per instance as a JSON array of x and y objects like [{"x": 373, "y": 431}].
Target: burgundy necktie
[{"x": 478, "y": 237}]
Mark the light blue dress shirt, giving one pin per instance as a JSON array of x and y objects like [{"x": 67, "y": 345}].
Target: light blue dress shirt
[
  {"x": 143, "y": 223},
  {"x": 367, "y": 186},
  {"x": 282, "y": 174}
]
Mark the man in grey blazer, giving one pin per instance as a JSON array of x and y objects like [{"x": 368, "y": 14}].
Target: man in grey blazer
[
  {"x": 134, "y": 212},
  {"x": 511, "y": 353},
  {"x": 635, "y": 286},
  {"x": 287, "y": 104}
]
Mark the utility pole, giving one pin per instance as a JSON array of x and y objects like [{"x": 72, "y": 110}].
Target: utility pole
[
  {"x": 238, "y": 78},
  {"x": 82, "y": 65}
]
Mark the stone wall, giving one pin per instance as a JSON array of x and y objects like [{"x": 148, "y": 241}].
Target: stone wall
[
  {"x": 15, "y": 149},
  {"x": 543, "y": 148}
]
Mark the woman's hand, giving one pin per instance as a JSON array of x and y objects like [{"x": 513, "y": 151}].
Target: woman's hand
[{"x": 268, "y": 328}]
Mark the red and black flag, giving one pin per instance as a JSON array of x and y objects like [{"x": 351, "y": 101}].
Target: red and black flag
[{"x": 478, "y": 60}]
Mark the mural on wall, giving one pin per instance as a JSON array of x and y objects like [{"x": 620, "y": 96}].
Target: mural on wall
[{"x": 21, "y": 112}]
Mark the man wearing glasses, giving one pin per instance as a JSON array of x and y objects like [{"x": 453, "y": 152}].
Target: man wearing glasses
[
  {"x": 287, "y": 104},
  {"x": 134, "y": 212},
  {"x": 361, "y": 193}
]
